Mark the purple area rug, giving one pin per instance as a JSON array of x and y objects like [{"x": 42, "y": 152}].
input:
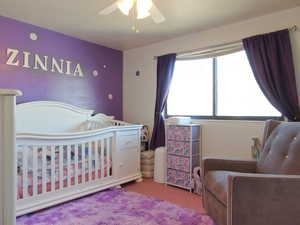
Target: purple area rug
[{"x": 116, "y": 207}]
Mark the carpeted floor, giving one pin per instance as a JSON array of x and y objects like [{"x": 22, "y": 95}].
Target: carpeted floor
[
  {"x": 116, "y": 207},
  {"x": 165, "y": 192}
]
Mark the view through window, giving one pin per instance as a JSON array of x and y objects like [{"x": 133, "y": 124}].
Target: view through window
[{"x": 217, "y": 87}]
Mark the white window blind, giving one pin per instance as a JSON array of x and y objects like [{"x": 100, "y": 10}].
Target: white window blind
[{"x": 211, "y": 52}]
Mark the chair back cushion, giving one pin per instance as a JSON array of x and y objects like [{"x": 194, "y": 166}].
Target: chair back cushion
[
  {"x": 281, "y": 150},
  {"x": 270, "y": 125}
]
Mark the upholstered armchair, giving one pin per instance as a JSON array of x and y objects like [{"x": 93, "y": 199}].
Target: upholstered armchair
[{"x": 267, "y": 192}]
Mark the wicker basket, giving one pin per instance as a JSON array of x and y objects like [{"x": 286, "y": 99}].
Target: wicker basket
[{"x": 147, "y": 164}]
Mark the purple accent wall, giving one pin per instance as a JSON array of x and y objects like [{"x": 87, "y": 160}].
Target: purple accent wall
[{"x": 88, "y": 92}]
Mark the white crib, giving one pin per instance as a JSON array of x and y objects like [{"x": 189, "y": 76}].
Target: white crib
[{"x": 63, "y": 152}]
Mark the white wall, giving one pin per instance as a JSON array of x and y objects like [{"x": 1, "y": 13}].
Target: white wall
[{"x": 220, "y": 138}]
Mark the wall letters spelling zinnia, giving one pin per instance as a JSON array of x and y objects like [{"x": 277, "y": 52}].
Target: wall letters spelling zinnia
[{"x": 44, "y": 63}]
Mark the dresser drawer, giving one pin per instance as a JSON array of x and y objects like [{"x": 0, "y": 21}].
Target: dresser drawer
[
  {"x": 178, "y": 148},
  {"x": 183, "y": 133},
  {"x": 179, "y": 178},
  {"x": 182, "y": 148},
  {"x": 128, "y": 140},
  {"x": 178, "y": 163}
]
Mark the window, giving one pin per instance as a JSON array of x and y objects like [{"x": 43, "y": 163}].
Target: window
[{"x": 219, "y": 87}]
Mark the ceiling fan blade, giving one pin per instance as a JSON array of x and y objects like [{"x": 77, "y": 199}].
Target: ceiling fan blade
[
  {"x": 156, "y": 15},
  {"x": 109, "y": 9}
]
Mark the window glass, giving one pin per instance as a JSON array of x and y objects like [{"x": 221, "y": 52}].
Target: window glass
[
  {"x": 238, "y": 91},
  {"x": 191, "y": 91}
]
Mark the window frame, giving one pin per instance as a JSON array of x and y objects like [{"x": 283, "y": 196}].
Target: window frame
[{"x": 215, "y": 105}]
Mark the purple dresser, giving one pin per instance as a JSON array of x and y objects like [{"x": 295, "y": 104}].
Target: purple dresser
[{"x": 183, "y": 144}]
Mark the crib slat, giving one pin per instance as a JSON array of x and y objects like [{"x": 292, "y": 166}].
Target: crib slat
[
  {"x": 76, "y": 164},
  {"x": 102, "y": 158},
  {"x": 108, "y": 157},
  {"x": 96, "y": 160},
  {"x": 83, "y": 163},
  {"x": 61, "y": 167},
  {"x": 44, "y": 169},
  {"x": 90, "y": 160},
  {"x": 25, "y": 171},
  {"x": 34, "y": 170},
  {"x": 52, "y": 168},
  {"x": 69, "y": 165}
]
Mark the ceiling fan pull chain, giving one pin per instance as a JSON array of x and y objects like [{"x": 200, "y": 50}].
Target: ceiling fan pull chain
[{"x": 135, "y": 25}]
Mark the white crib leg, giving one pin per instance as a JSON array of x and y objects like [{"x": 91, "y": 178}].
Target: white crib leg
[{"x": 8, "y": 159}]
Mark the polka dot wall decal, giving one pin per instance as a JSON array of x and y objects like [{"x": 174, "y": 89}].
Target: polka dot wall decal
[
  {"x": 110, "y": 96},
  {"x": 33, "y": 36},
  {"x": 95, "y": 73}
]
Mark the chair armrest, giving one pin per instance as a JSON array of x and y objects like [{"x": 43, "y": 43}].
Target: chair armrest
[
  {"x": 236, "y": 165},
  {"x": 256, "y": 199}
]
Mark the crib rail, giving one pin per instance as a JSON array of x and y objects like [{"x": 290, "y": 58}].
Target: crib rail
[{"x": 47, "y": 169}]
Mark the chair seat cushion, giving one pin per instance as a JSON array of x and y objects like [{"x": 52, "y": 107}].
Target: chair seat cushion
[{"x": 216, "y": 182}]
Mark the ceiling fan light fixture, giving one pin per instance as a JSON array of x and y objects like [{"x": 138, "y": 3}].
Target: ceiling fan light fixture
[
  {"x": 143, "y": 8},
  {"x": 125, "y": 6}
]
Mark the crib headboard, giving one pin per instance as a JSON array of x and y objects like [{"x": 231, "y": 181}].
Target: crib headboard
[{"x": 49, "y": 117}]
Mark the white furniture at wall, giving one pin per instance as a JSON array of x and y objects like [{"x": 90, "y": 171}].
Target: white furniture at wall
[
  {"x": 183, "y": 144},
  {"x": 63, "y": 153},
  {"x": 160, "y": 165}
]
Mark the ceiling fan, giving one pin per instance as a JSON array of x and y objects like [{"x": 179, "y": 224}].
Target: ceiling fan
[{"x": 144, "y": 8}]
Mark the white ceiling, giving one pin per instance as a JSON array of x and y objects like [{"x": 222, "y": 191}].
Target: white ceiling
[{"x": 79, "y": 18}]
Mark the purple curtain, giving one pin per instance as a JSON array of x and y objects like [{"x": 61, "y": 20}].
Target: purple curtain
[
  {"x": 271, "y": 59},
  {"x": 165, "y": 68}
]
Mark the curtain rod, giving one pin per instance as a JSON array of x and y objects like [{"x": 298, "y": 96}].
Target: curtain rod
[{"x": 292, "y": 29}]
